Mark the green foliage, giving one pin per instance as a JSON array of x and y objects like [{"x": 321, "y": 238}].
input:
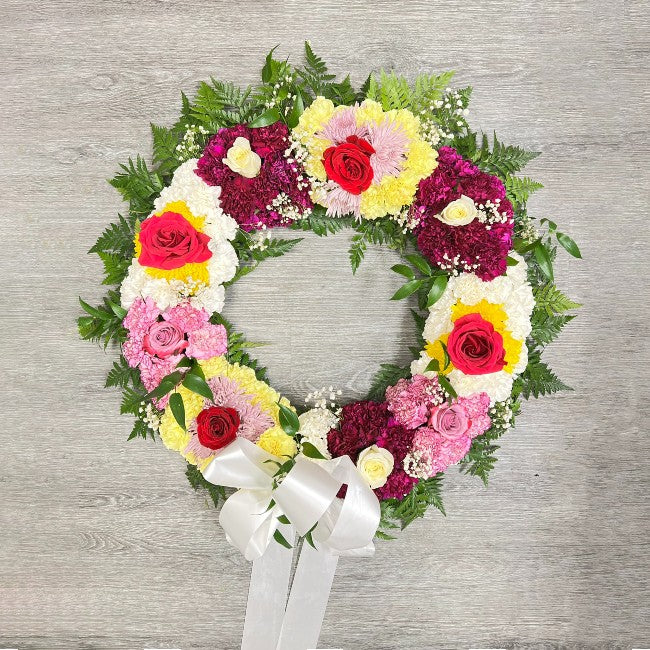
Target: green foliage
[
  {"x": 322, "y": 225},
  {"x": 165, "y": 142},
  {"x": 141, "y": 430},
  {"x": 198, "y": 482},
  {"x": 132, "y": 400},
  {"x": 117, "y": 238},
  {"x": 288, "y": 420},
  {"x": 518, "y": 190},
  {"x": 314, "y": 73},
  {"x": 115, "y": 267},
  {"x": 547, "y": 327},
  {"x": 221, "y": 104},
  {"x": 394, "y": 92},
  {"x": 552, "y": 300},
  {"x": 138, "y": 185},
  {"x": 480, "y": 458},
  {"x": 380, "y": 232},
  {"x": 104, "y": 322},
  {"x": 427, "y": 89},
  {"x": 387, "y": 375},
  {"x": 501, "y": 159},
  {"x": 121, "y": 374},
  {"x": 538, "y": 379},
  {"x": 237, "y": 347},
  {"x": 425, "y": 493}
]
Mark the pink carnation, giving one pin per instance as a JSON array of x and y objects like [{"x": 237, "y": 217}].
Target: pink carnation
[
  {"x": 186, "y": 317},
  {"x": 207, "y": 342},
  {"x": 411, "y": 399},
  {"x": 483, "y": 247},
  {"x": 448, "y": 437}
]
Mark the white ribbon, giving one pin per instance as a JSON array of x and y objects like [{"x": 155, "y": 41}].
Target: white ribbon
[{"x": 307, "y": 497}]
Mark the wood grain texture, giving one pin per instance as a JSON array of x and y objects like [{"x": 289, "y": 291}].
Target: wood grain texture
[{"x": 103, "y": 544}]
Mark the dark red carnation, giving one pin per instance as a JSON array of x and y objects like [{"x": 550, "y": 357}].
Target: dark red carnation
[
  {"x": 217, "y": 426},
  {"x": 348, "y": 164},
  {"x": 170, "y": 241},
  {"x": 360, "y": 426}
]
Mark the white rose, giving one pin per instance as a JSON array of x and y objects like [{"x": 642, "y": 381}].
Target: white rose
[
  {"x": 375, "y": 464},
  {"x": 459, "y": 212},
  {"x": 242, "y": 160}
]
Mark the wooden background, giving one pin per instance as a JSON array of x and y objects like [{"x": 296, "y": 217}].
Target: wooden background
[{"x": 104, "y": 545}]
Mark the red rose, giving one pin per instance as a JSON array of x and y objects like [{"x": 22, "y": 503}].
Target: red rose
[
  {"x": 217, "y": 426},
  {"x": 171, "y": 241},
  {"x": 475, "y": 347},
  {"x": 348, "y": 164},
  {"x": 164, "y": 339}
]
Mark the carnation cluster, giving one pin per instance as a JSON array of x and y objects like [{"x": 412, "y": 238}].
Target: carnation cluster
[{"x": 395, "y": 161}]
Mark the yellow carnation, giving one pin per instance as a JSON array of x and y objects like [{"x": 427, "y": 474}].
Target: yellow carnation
[{"x": 275, "y": 441}]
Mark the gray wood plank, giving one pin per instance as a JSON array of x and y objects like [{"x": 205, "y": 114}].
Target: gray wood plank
[{"x": 103, "y": 544}]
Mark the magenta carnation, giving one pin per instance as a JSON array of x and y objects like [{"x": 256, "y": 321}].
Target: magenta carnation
[
  {"x": 250, "y": 200},
  {"x": 398, "y": 440},
  {"x": 480, "y": 246}
]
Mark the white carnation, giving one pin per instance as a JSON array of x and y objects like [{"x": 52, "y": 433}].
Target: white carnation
[{"x": 315, "y": 424}]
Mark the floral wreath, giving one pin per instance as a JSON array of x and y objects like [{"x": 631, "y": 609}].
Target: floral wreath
[{"x": 398, "y": 163}]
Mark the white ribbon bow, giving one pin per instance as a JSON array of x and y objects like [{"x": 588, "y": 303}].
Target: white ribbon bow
[{"x": 306, "y": 495}]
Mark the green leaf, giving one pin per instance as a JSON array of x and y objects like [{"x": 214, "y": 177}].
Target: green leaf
[
  {"x": 288, "y": 420},
  {"x": 502, "y": 160},
  {"x": 519, "y": 190},
  {"x": 569, "y": 245},
  {"x": 117, "y": 310},
  {"x": 178, "y": 409},
  {"x": 92, "y": 311},
  {"x": 357, "y": 251},
  {"x": 185, "y": 362},
  {"x": 199, "y": 482},
  {"x": 309, "y": 450},
  {"x": 446, "y": 385},
  {"x": 511, "y": 261},
  {"x": 407, "y": 289},
  {"x": 167, "y": 384},
  {"x": 121, "y": 374},
  {"x": 420, "y": 263},
  {"x": 294, "y": 116},
  {"x": 198, "y": 385},
  {"x": 404, "y": 270},
  {"x": 437, "y": 289},
  {"x": 271, "y": 116},
  {"x": 543, "y": 259},
  {"x": 433, "y": 366},
  {"x": 283, "y": 519},
  {"x": 280, "y": 539},
  {"x": 267, "y": 70}
]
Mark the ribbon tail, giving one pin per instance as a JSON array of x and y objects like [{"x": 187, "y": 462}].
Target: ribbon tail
[
  {"x": 267, "y": 595},
  {"x": 310, "y": 592}
]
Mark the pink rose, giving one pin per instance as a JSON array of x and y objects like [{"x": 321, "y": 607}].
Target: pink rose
[
  {"x": 450, "y": 421},
  {"x": 164, "y": 339}
]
